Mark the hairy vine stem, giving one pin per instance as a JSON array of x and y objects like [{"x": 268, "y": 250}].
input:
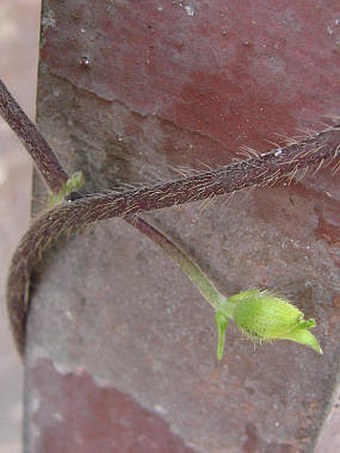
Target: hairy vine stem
[
  {"x": 80, "y": 211},
  {"x": 34, "y": 142}
]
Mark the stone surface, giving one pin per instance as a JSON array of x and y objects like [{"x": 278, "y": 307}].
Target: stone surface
[{"x": 126, "y": 91}]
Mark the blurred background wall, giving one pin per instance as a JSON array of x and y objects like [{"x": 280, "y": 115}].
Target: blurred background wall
[{"x": 19, "y": 38}]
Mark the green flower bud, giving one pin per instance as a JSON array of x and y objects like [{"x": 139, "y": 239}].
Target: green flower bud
[{"x": 264, "y": 316}]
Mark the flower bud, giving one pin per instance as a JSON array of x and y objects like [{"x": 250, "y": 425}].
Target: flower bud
[{"x": 264, "y": 316}]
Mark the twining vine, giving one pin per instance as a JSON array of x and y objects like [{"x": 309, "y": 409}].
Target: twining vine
[{"x": 79, "y": 209}]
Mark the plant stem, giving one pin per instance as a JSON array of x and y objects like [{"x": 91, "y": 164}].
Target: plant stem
[
  {"x": 187, "y": 264},
  {"x": 265, "y": 169},
  {"x": 259, "y": 171},
  {"x": 43, "y": 156},
  {"x": 55, "y": 176}
]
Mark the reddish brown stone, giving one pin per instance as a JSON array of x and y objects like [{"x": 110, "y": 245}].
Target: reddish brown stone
[
  {"x": 327, "y": 231},
  {"x": 75, "y": 414},
  {"x": 173, "y": 83}
]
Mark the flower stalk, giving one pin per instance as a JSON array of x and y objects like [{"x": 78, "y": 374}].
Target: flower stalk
[
  {"x": 193, "y": 271},
  {"x": 260, "y": 315}
]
